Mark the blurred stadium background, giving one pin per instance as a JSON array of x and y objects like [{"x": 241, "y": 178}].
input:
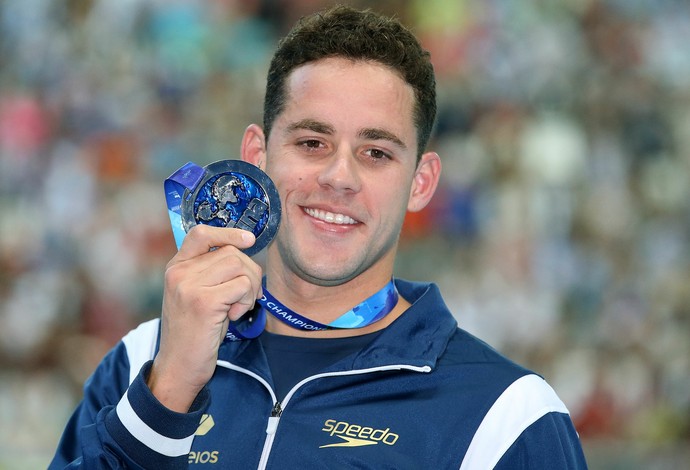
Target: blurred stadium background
[{"x": 560, "y": 234}]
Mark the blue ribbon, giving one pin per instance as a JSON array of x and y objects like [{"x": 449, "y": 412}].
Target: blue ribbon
[
  {"x": 249, "y": 326},
  {"x": 187, "y": 177},
  {"x": 369, "y": 311}
]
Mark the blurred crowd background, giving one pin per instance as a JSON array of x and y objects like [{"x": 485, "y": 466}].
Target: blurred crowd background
[{"x": 560, "y": 233}]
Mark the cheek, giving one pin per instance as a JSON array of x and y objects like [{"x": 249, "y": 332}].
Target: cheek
[
  {"x": 390, "y": 204},
  {"x": 280, "y": 176},
  {"x": 288, "y": 185},
  {"x": 394, "y": 191}
]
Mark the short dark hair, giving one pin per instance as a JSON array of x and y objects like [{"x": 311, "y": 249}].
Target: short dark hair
[{"x": 358, "y": 35}]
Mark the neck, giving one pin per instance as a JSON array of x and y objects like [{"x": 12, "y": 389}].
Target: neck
[
  {"x": 324, "y": 304},
  {"x": 273, "y": 325}
]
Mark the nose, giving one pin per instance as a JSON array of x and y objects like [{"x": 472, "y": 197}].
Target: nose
[{"x": 341, "y": 172}]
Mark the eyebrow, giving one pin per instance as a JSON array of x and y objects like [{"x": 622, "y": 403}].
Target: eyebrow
[
  {"x": 369, "y": 133},
  {"x": 381, "y": 134},
  {"x": 311, "y": 125}
]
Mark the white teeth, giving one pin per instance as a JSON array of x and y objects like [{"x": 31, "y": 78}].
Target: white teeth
[{"x": 331, "y": 218}]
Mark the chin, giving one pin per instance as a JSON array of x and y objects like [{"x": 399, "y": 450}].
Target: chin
[{"x": 326, "y": 277}]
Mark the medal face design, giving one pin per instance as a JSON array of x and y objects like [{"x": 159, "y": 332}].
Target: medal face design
[{"x": 235, "y": 194}]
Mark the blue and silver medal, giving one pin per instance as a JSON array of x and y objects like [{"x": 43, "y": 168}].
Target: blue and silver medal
[{"x": 226, "y": 193}]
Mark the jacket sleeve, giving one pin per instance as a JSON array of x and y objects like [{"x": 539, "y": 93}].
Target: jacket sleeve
[
  {"x": 527, "y": 427},
  {"x": 550, "y": 442},
  {"x": 122, "y": 425}
]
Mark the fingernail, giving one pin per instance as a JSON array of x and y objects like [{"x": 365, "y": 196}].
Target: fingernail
[{"x": 248, "y": 236}]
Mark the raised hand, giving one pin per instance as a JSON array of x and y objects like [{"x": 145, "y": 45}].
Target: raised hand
[{"x": 209, "y": 282}]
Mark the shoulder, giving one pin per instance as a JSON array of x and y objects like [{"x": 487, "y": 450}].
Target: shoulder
[
  {"x": 130, "y": 354},
  {"x": 528, "y": 425},
  {"x": 464, "y": 349},
  {"x": 515, "y": 424},
  {"x": 120, "y": 366},
  {"x": 523, "y": 420},
  {"x": 140, "y": 345},
  {"x": 507, "y": 386}
]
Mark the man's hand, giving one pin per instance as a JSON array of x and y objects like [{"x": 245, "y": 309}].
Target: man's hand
[{"x": 207, "y": 283}]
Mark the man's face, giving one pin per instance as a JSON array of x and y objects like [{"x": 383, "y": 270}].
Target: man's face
[{"x": 343, "y": 157}]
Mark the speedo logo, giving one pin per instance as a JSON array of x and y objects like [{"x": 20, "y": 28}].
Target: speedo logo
[
  {"x": 355, "y": 435},
  {"x": 205, "y": 425}
]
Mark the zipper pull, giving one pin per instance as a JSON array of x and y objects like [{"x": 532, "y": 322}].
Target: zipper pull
[
  {"x": 275, "y": 417},
  {"x": 277, "y": 410}
]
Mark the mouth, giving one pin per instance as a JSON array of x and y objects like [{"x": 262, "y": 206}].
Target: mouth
[{"x": 330, "y": 217}]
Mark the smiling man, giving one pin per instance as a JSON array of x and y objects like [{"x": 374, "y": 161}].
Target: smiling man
[
  {"x": 349, "y": 108},
  {"x": 347, "y": 172}
]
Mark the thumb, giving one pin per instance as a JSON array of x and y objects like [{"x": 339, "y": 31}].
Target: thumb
[{"x": 202, "y": 238}]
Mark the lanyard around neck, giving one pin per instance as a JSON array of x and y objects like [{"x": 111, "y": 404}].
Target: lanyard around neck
[{"x": 367, "y": 312}]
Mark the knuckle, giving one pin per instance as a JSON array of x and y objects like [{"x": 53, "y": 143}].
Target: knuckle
[
  {"x": 231, "y": 256},
  {"x": 181, "y": 289},
  {"x": 173, "y": 275},
  {"x": 233, "y": 259},
  {"x": 192, "y": 234},
  {"x": 198, "y": 232},
  {"x": 258, "y": 272},
  {"x": 245, "y": 283},
  {"x": 189, "y": 294}
]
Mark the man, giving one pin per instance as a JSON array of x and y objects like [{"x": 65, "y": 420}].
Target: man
[{"x": 349, "y": 108}]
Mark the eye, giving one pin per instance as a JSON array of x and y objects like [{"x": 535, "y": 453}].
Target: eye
[
  {"x": 378, "y": 154},
  {"x": 311, "y": 144}
]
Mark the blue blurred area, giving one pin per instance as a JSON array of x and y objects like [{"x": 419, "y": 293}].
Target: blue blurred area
[{"x": 560, "y": 233}]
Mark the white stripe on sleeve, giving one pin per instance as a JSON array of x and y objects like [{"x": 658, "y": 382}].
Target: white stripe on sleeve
[
  {"x": 520, "y": 405},
  {"x": 141, "y": 346},
  {"x": 147, "y": 436}
]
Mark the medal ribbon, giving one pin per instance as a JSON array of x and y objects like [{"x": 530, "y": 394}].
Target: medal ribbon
[
  {"x": 369, "y": 311},
  {"x": 187, "y": 177}
]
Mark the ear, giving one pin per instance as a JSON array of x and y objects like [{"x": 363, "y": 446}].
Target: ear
[
  {"x": 253, "y": 148},
  {"x": 425, "y": 181}
]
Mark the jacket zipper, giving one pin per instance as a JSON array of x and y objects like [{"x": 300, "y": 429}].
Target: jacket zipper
[
  {"x": 278, "y": 407},
  {"x": 271, "y": 428}
]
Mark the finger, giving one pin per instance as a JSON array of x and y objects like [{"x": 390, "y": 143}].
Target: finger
[
  {"x": 224, "y": 268},
  {"x": 203, "y": 238},
  {"x": 227, "y": 259},
  {"x": 232, "y": 299}
]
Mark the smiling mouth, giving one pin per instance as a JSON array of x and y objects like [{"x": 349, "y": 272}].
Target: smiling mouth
[{"x": 330, "y": 217}]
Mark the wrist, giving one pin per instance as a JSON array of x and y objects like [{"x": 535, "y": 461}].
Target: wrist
[{"x": 172, "y": 392}]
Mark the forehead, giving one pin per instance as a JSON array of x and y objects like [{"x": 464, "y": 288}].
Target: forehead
[{"x": 358, "y": 90}]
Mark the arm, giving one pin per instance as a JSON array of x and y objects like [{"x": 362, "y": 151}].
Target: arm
[
  {"x": 152, "y": 421},
  {"x": 103, "y": 389},
  {"x": 131, "y": 429},
  {"x": 528, "y": 426},
  {"x": 551, "y": 442},
  {"x": 208, "y": 283}
]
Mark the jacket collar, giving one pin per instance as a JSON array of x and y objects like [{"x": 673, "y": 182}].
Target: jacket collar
[{"x": 418, "y": 337}]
